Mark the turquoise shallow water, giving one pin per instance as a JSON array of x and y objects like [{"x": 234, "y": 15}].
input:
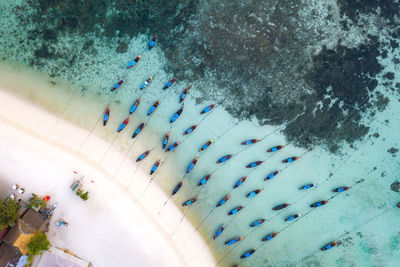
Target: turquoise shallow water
[{"x": 364, "y": 219}]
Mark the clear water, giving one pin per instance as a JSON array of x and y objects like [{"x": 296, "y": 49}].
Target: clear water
[{"x": 79, "y": 68}]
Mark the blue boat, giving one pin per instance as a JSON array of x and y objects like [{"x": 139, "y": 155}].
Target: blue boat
[
  {"x": 190, "y": 129},
  {"x": 305, "y": 187},
  {"x": 189, "y": 202},
  {"x": 146, "y": 82},
  {"x": 233, "y": 241},
  {"x": 254, "y": 164},
  {"x": 133, "y": 62},
  {"x": 271, "y": 175},
  {"x": 270, "y": 236},
  {"x": 223, "y": 200},
  {"x": 329, "y": 246},
  {"x": 134, "y": 106},
  {"x": 235, "y": 210},
  {"x": 173, "y": 146},
  {"x": 275, "y": 148},
  {"x": 143, "y": 156},
  {"x": 257, "y": 223},
  {"x": 224, "y": 158},
  {"x": 177, "y": 187},
  {"x": 183, "y": 95},
  {"x": 219, "y": 231},
  {"x": 192, "y": 164},
  {"x": 106, "y": 116},
  {"x": 117, "y": 85},
  {"x": 206, "y": 145},
  {"x": 165, "y": 140},
  {"x": 240, "y": 182},
  {"x": 247, "y": 253},
  {"x": 153, "y": 107},
  {"x": 253, "y": 193},
  {"x": 152, "y": 42},
  {"x": 155, "y": 167},
  {"x": 207, "y": 109},
  {"x": 292, "y": 217},
  {"x": 138, "y": 130},
  {"x": 176, "y": 115},
  {"x": 204, "y": 180},
  {"x": 123, "y": 125},
  {"x": 169, "y": 84}
]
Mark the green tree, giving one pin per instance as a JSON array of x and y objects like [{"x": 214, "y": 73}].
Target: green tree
[
  {"x": 8, "y": 212},
  {"x": 38, "y": 243}
]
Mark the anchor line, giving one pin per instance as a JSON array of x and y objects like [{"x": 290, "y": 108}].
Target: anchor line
[{"x": 305, "y": 214}]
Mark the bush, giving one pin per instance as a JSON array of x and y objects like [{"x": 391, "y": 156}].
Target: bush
[
  {"x": 38, "y": 243},
  {"x": 83, "y": 196},
  {"x": 8, "y": 212}
]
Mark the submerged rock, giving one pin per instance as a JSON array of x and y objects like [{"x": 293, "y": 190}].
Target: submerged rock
[{"x": 395, "y": 186}]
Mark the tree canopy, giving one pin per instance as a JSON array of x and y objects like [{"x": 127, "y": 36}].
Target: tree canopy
[
  {"x": 8, "y": 212},
  {"x": 38, "y": 243}
]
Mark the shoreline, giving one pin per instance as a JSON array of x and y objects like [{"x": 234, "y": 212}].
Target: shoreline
[{"x": 62, "y": 131}]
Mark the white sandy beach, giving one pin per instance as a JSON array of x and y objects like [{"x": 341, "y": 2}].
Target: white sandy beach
[{"x": 40, "y": 151}]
